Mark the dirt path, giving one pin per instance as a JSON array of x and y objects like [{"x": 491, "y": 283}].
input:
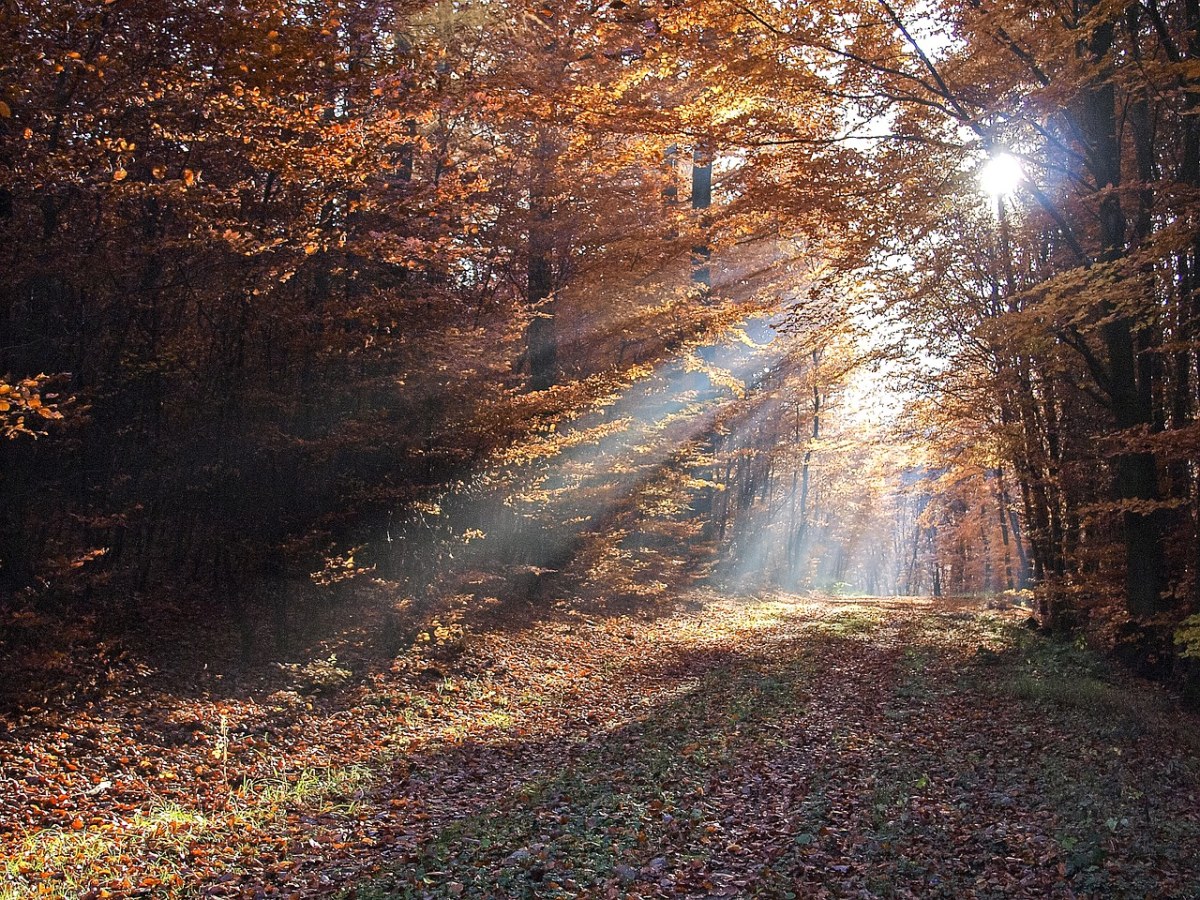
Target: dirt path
[
  {"x": 774, "y": 748},
  {"x": 873, "y": 750}
]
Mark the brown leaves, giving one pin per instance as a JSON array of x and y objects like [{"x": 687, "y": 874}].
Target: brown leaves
[{"x": 748, "y": 746}]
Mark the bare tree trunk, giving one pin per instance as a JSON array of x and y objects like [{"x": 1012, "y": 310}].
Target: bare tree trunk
[{"x": 541, "y": 340}]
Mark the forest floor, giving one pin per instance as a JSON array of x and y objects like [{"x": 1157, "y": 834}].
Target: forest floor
[{"x": 773, "y": 746}]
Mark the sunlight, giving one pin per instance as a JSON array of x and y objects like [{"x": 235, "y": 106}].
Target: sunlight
[
  {"x": 473, "y": 448},
  {"x": 1001, "y": 174}
]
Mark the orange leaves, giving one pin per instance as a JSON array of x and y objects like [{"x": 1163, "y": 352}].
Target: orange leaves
[{"x": 23, "y": 399}]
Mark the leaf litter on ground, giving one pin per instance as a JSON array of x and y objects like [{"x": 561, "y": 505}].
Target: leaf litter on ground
[{"x": 774, "y": 747}]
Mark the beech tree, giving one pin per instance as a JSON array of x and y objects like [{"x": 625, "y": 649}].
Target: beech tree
[
  {"x": 871, "y": 121},
  {"x": 275, "y": 275}
]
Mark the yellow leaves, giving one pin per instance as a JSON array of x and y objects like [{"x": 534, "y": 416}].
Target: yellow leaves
[
  {"x": 88, "y": 557},
  {"x": 339, "y": 569},
  {"x": 120, "y": 174},
  {"x": 718, "y": 376},
  {"x": 1188, "y": 637},
  {"x": 159, "y": 172},
  {"x": 5, "y": 110},
  {"x": 190, "y": 177},
  {"x": 554, "y": 443},
  {"x": 743, "y": 338}
]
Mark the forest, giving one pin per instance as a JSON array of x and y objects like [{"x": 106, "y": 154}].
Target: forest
[{"x": 599, "y": 448}]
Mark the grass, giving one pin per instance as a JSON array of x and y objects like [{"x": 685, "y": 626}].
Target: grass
[
  {"x": 310, "y": 788},
  {"x": 1100, "y": 802},
  {"x": 850, "y": 623},
  {"x": 63, "y": 863},
  {"x": 1084, "y": 693},
  {"x": 1073, "y": 679}
]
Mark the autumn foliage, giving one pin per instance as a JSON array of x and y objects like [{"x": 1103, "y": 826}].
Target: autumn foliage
[
  {"x": 297, "y": 297},
  {"x": 372, "y": 377}
]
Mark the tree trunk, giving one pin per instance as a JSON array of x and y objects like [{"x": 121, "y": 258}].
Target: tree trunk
[{"x": 541, "y": 338}]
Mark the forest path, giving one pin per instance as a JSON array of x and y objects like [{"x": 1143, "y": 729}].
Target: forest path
[
  {"x": 773, "y": 747},
  {"x": 874, "y": 748}
]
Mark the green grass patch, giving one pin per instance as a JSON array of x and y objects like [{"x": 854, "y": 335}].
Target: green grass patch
[
  {"x": 326, "y": 789},
  {"x": 848, "y": 623},
  {"x": 65, "y": 863},
  {"x": 1073, "y": 679}
]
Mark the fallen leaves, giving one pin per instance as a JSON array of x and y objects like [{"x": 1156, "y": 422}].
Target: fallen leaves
[{"x": 757, "y": 747}]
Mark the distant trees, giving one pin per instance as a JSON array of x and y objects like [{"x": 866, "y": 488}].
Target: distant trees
[{"x": 1063, "y": 329}]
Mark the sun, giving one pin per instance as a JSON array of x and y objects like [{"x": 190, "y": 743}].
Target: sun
[{"x": 1001, "y": 174}]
